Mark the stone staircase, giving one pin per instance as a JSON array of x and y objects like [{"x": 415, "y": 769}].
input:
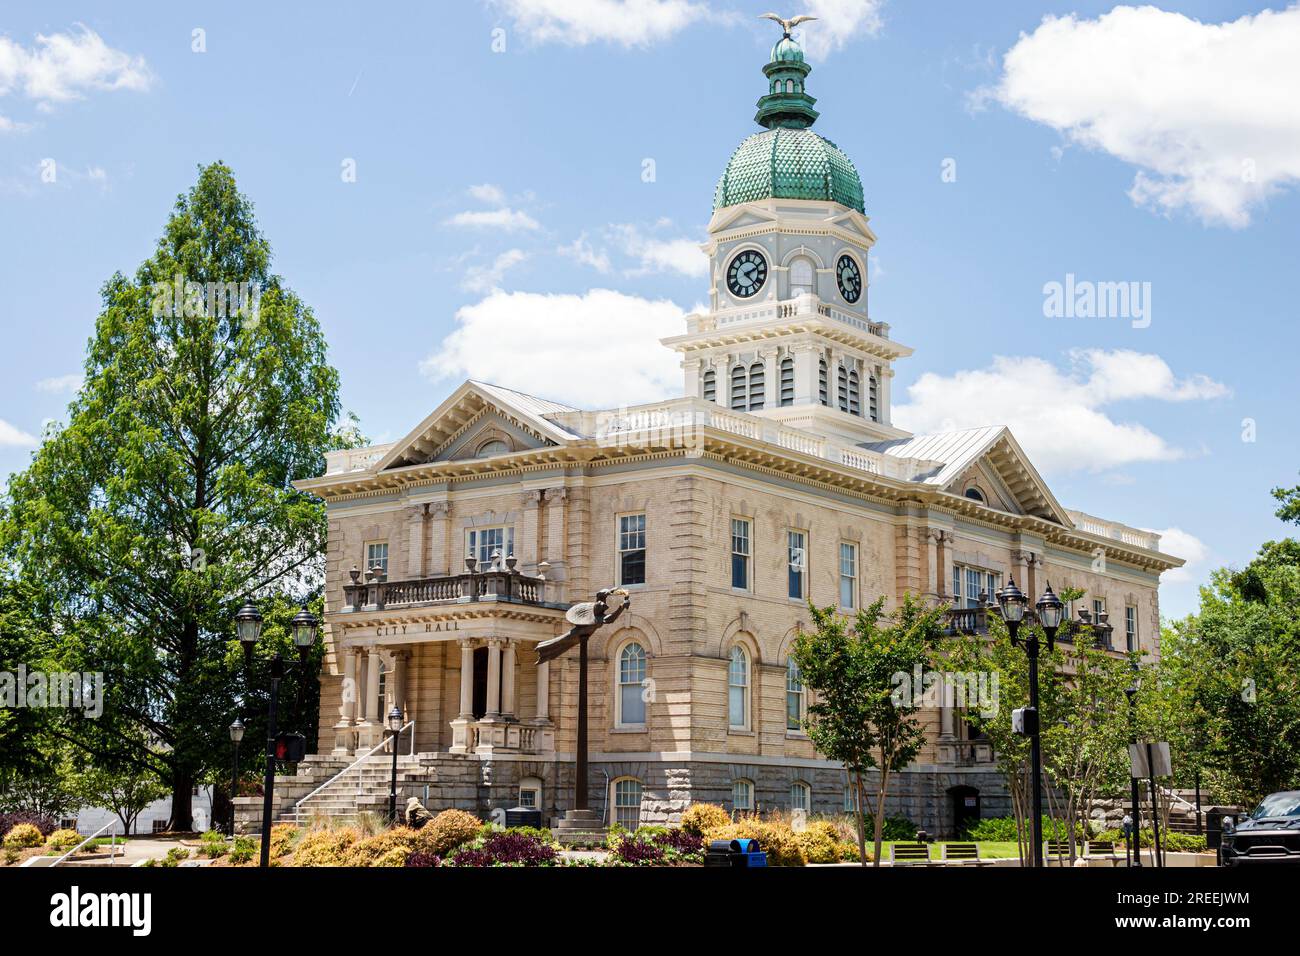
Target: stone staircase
[{"x": 351, "y": 791}]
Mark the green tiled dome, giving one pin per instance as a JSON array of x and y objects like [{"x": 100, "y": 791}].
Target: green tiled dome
[{"x": 788, "y": 163}]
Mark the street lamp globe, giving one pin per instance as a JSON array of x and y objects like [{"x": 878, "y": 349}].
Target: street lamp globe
[
  {"x": 394, "y": 720},
  {"x": 1013, "y": 603},
  {"x": 304, "y": 627},
  {"x": 1049, "y": 609},
  {"x": 248, "y": 625},
  {"x": 237, "y": 731}
]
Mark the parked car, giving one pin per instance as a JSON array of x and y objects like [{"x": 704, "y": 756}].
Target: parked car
[{"x": 1269, "y": 835}]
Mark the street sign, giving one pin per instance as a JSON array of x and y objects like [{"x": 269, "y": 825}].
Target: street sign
[{"x": 1149, "y": 758}]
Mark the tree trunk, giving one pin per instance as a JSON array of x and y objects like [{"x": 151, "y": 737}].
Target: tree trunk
[
  {"x": 182, "y": 796},
  {"x": 880, "y": 812},
  {"x": 861, "y": 820}
]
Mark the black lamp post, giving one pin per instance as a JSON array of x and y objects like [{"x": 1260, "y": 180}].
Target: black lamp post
[
  {"x": 236, "y": 735},
  {"x": 303, "y": 627},
  {"x": 1012, "y": 602},
  {"x": 1135, "y": 838},
  {"x": 395, "y": 729}
]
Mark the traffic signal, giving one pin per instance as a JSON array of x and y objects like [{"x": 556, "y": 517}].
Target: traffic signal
[{"x": 290, "y": 748}]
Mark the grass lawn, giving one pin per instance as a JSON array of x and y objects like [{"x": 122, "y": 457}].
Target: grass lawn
[{"x": 989, "y": 850}]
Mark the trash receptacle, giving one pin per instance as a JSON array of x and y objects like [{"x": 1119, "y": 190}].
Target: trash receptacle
[
  {"x": 524, "y": 817},
  {"x": 737, "y": 853}
]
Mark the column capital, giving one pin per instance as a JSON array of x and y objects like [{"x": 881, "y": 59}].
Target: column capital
[
  {"x": 531, "y": 498},
  {"x": 439, "y": 509},
  {"x": 559, "y": 493},
  {"x": 467, "y": 642}
]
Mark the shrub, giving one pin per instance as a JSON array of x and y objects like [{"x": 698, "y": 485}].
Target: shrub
[
  {"x": 777, "y": 840},
  {"x": 507, "y": 849},
  {"x": 63, "y": 839},
  {"x": 448, "y": 830},
  {"x": 680, "y": 841},
  {"x": 820, "y": 842},
  {"x": 423, "y": 859},
  {"x": 634, "y": 852},
  {"x": 394, "y": 857},
  {"x": 243, "y": 850},
  {"x": 1171, "y": 842},
  {"x": 324, "y": 847},
  {"x": 895, "y": 829},
  {"x": 699, "y": 818},
  {"x": 42, "y": 822},
  {"x": 368, "y": 852},
  {"x": 23, "y": 836},
  {"x": 282, "y": 839}
]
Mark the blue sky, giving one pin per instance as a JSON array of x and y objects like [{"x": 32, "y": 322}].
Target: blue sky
[{"x": 497, "y": 191}]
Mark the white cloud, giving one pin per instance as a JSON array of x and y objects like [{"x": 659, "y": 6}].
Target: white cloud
[
  {"x": 66, "y": 66},
  {"x": 11, "y": 437},
  {"x": 489, "y": 193},
  {"x": 1206, "y": 112},
  {"x": 483, "y": 278},
  {"x": 838, "y": 23},
  {"x": 683, "y": 256},
  {"x": 580, "y": 22},
  {"x": 61, "y": 384},
  {"x": 505, "y": 219},
  {"x": 582, "y": 251},
  {"x": 597, "y": 350},
  {"x": 1183, "y": 544},
  {"x": 1059, "y": 415}
]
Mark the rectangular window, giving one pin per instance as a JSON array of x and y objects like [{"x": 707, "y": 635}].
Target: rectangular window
[
  {"x": 1098, "y": 605},
  {"x": 159, "y": 826},
  {"x": 1131, "y": 627},
  {"x": 482, "y": 543},
  {"x": 797, "y": 569},
  {"x": 377, "y": 557},
  {"x": 627, "y": 804},
  {"x": 848, "y": 576},
  {"x": 528, "y": 797},
  {"x": 969, "y": 583},
  {"x": 740, "y": 553},
  {"x": 793, "y": 697},
  {"x": 742, "y": 795},
  {"x": 631, "y": 549}
]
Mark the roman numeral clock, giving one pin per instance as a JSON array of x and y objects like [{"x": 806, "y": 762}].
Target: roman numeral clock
[{"x": 747, "y": 273}]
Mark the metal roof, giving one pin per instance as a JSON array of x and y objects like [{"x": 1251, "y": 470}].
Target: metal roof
[{"x": 957, "y": 450}]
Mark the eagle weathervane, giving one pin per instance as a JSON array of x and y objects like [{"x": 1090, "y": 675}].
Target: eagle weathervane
[{"x": 786, "y": 25}]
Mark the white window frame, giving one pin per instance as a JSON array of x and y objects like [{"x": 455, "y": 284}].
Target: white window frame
[
  {"x": 850, "y": 797},
  {"x": 744, "y": 688},
  {"x": 742, "y": 795},
  {"x": 624, "y": 537},
  {"x": 621, "y": 681},
  {"x": 531, "y": 785},
  {"x": 801, "y": 793},
  {"x": 850, "y": 577},
  {"x": 790, "y": 547},
  {"x": 626, "y": 813},
  {"x": 966, "y": 576},
  {"x": 483, "y": 552},
  {"x": 737, "y": 523},
  {"x": 794, "y": 686},
  {"x": 1131, "y": 638},
  {"x": 373, "y": 547}
]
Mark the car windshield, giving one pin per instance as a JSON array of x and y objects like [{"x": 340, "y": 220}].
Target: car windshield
[{"x": 1278, "y": 805}]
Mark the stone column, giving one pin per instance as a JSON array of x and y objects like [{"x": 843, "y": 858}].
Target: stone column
[
  {"x": 556, "y": 502},
  {"x": 348, "y": 709},
  {"x": 771, "y": 379},
  {"x": 886, "y": 405},
  {"x": 527, "y": 547},
  {"x": 370, "y": 702},
  {"x": 544, "y": 691},
  {"x": 443, "y": 558},
  {"x": 415, "y": 541},
  {"x": 466, "y": 678},
  {"x": 806, "y": 386},
  {"x": 933, "y": 585},
  {"x": 694, "y": 369},
  {"x": 508, "y": 680},
  {"x": 493, "y": 680}
]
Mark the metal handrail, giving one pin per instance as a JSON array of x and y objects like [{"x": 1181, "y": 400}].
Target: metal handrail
[
  {"x": 358, "y": 762},
  {"x": 94, "y": 836}
]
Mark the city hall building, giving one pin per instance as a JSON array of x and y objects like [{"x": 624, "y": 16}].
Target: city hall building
[{"x": 778, "y": 479}]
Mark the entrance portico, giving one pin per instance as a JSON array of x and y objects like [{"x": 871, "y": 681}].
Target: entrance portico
[{"x": 469, "y": 640}]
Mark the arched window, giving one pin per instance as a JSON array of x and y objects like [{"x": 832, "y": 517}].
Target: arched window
[
  {"x": 801, "y": 276},
  {"x": 627, "y": 803},
  {"x": 631, "y": 673},
  {"x": 495, "y": 446},
  {"x": 855, "y": 399},
  {"x": 843, "y": 388},
  {"x": 530, "y": 792},
  {"x": 800, "y": 796},
  {"x": 794, "y": 696},
  {"x": 742, "y": 795},
  {"x": 756, "y": 396},
  {"x": 787, "y": 381},
  {"x": 974, "y": 494},
  {"x": 823, "y": 388},
  {"x": 873, "y": 396},
  {"x": 710, "y": 386},
  {"x": 738, "y": 689},
  {"x": 738, "y": 388},
  {"x": 789, "y": 86}
]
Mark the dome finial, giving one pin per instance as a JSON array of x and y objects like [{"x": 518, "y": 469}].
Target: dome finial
[{"x": 786, "y": 104}]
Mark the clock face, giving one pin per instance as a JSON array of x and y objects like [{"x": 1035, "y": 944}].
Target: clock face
[
  {"x": 747, "y": 273},
  {"x": 849, "y": 278}
]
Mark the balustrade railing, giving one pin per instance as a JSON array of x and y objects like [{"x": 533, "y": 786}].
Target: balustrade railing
[{"x": 489, "y": 585}]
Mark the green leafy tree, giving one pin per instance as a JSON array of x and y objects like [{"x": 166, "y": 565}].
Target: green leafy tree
[
  {"x": 127, "y": 792},
  {"x": 165, "y": 501},
  {"x": 857, "y": 716}
]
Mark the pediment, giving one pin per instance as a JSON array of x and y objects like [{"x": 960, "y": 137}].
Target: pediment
[
  {"x": 852, "y": 221},
  {"x": 1008, "y": 479},
  {"x": 470, "y": 420}
]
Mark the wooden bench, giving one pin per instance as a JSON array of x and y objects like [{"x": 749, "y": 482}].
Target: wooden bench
[
  {"x": 1056, "y": 849},
  {"x": 960, "y": 853},
  {"x": 909, "y": 853},
  {"x": 1102, "y": 849}
]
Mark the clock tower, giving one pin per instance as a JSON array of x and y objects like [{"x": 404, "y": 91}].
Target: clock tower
[{"x": 788, "y": 334}]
